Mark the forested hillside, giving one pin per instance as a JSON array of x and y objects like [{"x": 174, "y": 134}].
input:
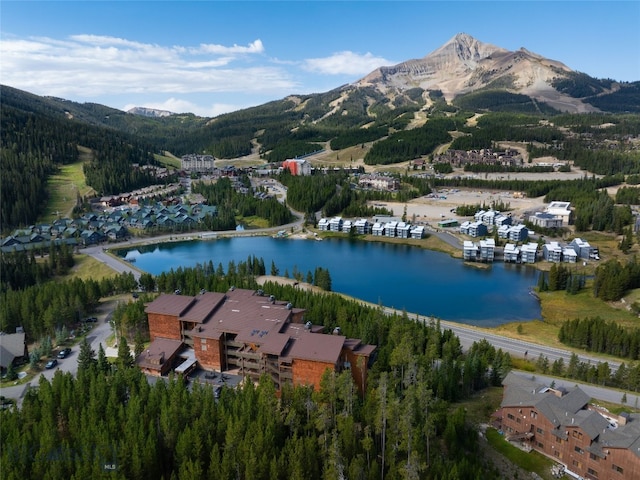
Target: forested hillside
[{"x": 407, "y": 424}]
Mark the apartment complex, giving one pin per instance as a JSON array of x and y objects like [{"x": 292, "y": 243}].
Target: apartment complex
[
  {"x": 588, "y": 441},
  {"x": 249, "y": 333}
]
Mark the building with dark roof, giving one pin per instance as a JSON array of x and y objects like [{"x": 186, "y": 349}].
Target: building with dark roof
[
  {"x": 13, "y": 349},
  {"x": 590, "y": 442},
  {"x": 250, "y": 333}
]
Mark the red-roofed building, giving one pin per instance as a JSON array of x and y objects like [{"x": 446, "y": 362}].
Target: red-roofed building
[{"x": 254, "y": 334}]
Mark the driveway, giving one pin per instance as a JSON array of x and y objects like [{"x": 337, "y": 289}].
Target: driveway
[{"x": 98, "y": 334}]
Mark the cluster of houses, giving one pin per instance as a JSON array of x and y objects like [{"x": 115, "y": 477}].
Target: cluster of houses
[
  {"x": 114, "y": 225},
  {"x": 378, "y": 228},
  {"x": 485, "y": 156},
  {"x": 485, "y": 251},
  {"x": 379, "y": 181}
]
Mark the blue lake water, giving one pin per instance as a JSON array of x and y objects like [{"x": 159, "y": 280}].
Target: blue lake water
[{"x": 398, "y": 276}]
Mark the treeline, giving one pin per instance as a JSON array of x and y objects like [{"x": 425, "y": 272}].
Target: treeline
[
  {"x": 110, "y": 422},
  {"x": 628, "y": 196},
  {"x": 309, "y": 194},
  {"x": 22, "y": 269},
  {"x": 231, "y": 203},
  {"x": 112, "y": 171},
  {"x": 598, "y": 335},
  {"x": 561, "y": 277},
  {"x": 495, "y": 127},
  {"x": 46, "y": 308},
  {"x": 499, "y": 100},
  {"x": 31, "y": 149},
  {"x": 357, "y": 136},
  {"x": 410, "y": 144},
  {"x": 613, "y": 279},
  {"x": 34, "y": 146}
]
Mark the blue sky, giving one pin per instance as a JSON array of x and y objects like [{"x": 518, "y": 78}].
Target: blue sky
[{"x": 211, "y": 57}]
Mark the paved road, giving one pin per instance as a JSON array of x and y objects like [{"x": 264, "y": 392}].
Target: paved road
[
  {"x": 98, "y": 334},
  {"x": 468, "y": 335}
]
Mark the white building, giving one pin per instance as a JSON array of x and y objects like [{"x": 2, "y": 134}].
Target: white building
[{"x": 197, "y": 163}]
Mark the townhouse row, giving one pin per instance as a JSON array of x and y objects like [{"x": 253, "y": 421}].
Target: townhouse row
[{"x": 391, "y": 228}]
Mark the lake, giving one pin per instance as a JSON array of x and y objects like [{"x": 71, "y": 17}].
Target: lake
[{"x": 399, "y": 276}]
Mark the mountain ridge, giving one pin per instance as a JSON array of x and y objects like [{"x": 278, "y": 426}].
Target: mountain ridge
[{"x": 465, "y": 64}]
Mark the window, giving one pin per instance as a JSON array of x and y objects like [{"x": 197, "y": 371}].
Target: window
[
  {"x": 540, "y": 445},
  {"x": 558, "y": 440},
  {"x": 204, "y": 348},
  {"x": 579, "y": 450},
  {"x": 540, "y": 431},
  {"x": 577, "y": 434},
  {"x": 594, "y": 457},
  {"x": 203, "y": 340},
  {"x": 518, "y": 420},
  {"x": 510, "y": 416},
  {"x": 592, "y": 472},
  {"x": 616, "y": 468},
  {"x": 534, "y": 414},
  {"x": 577, "y": 464}
]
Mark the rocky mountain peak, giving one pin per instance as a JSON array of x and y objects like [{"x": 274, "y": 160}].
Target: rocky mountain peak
[
  {"x": 149, "y": 112},
  {"x": 465, "y": 64}
]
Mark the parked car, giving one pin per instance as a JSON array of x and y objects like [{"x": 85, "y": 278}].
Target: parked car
[
  {"x": 64, "y": 353},
  {"x": 51, "y": 364},
  {"x": 91, "y": 320}
]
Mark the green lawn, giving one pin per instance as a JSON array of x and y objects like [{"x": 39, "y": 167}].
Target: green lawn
[
  {"x": 65, "y": 186},
  {"x": 531, "y": 461}
]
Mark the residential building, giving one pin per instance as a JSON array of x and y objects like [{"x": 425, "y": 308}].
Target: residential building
[
  {"x": 511, "y": 253},
  {"x": 518, "y": 233},
  {"x": 561, "y": 210},
  {"x": 503, "y": 231},
  {"x": 487, "y": 249},
  {"x": 552, "y": 252},
  {"x": 197, "y": 163},
  {"x": 323, "y": 224},
  {"x": 470, "y": 251},
  {"x": 417, "y": 232},
  {"x": 390, "y": 228},
  {"x": 546, "y": 220},
  {"x": 583, "y": 249},
  {"x": 13, "y": 349},
  {"x": 378, "y": 229},
  {"x": 379, "y": 182},
  {"x": 297, "y": 166},
  {"x": 477, "y": 229},
  {"x": 347, "y": 225},
  {"x": 362, "y": 226},
  {"x": 529, "y": 252},
  {"x": 569, "y": 255},
  {"x": 561, "y": 424},
  {"x": 501, "y": 220},
  {"x": 335, "y": 224},
  {"x": 403, "y": 230},
  {"x": 249, "y": 333}
]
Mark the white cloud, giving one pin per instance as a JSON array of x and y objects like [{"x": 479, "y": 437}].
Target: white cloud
[
  {"x": 93, "y": 65},
  {"x": 345, "y": 63}
]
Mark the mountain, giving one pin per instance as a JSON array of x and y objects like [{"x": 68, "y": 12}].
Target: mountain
[
  {"x": 465, "y": 65},
  {"x": 149, "y": 112}
]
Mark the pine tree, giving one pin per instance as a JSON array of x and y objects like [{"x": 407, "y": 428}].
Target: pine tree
[
  {"x": 125, "y": 360},
  {"x": 86, "y": 357}
]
